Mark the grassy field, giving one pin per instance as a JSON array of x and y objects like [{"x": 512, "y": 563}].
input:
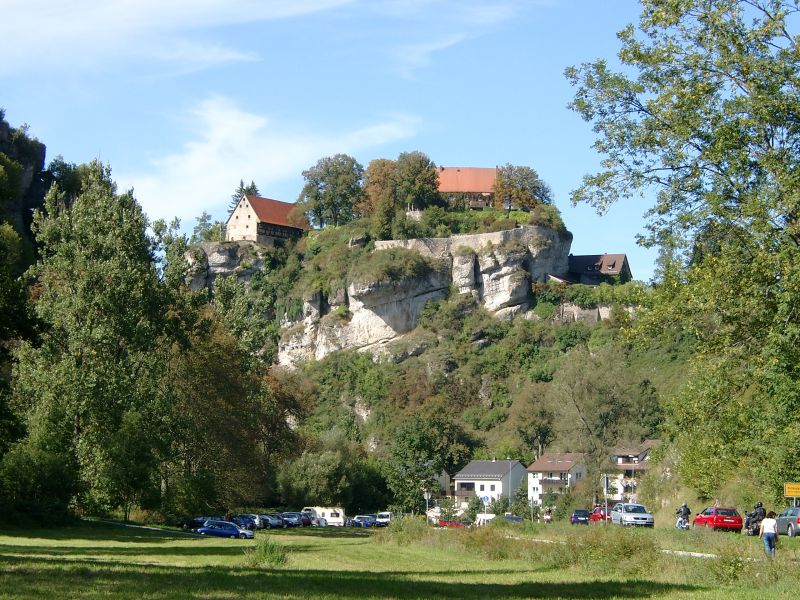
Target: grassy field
[{"x": 94, "y": 561}]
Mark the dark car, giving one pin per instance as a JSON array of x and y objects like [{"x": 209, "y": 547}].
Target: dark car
[
  {"x": 224, "y": 529},
  {"x": 513, "y": 519},
  {"x": 579, "y": 517},
  {"x": 272, "y": 522},
  {"x": 195, "y": 523},
  {"x": 292, "y": 519},
  {"x": 363, "y": 521},
  {"x": 245, "y": 522}
]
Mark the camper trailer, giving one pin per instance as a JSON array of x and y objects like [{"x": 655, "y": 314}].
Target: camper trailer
[{"x": 326, "y": 515}]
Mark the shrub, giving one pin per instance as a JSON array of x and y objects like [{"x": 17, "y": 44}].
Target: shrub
[
  {"x": 392, "y": 264},
  {"x": 403, "y": 531},
  {"x": 266, "y": 553},
  {"x": 544, "y": 310}
]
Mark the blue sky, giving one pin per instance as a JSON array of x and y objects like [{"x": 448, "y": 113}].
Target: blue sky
[{"x": 183, "y": 98}]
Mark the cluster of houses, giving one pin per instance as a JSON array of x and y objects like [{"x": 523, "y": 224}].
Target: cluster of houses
[
  {"x": 266, "y": 221},
  {"x": 555, "y": 473}
]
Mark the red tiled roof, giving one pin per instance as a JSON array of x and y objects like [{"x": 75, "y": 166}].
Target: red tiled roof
[
  {"x": 555, "y": 462},
  {"x": 467, "y": 179},
  {"x": 271, "y": 211}
]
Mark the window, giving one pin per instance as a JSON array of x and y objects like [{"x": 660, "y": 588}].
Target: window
[
  {"x": 549, "y": 475},
  {"x": 467, "y": 486},
  {"x": 482, "y": 487},
  {"x": 491, "y": 488}
]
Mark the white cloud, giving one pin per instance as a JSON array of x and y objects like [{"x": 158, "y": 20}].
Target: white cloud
[
  {"x": 415, "y": 56},
  {"x": 229, "y": 144},
  {"x": 41, "y": 34}
]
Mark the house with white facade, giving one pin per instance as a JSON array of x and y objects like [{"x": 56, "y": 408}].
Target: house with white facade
[
  {"x": 487, "y": 479},
  {"x": 261, "y": 220},
  {"x": 627, "y": 467},
  {"x": 554, "y": 472}
]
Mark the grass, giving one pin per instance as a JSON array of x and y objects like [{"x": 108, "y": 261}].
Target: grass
[{"x": 94, "y": 560}]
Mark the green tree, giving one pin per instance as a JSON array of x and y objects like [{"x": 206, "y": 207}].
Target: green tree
[
  {"x": 332, "y": 190},
  {"x": 520, "y": 187},
  {"x": 704, "y": 116},
  {"x": 98, "y": 356},
  {"x": 417, "y": 181},
  {"x": 242, "y": 190},
  {"x": 207, "y": 230},
  {"x": 423, "y": 447}
]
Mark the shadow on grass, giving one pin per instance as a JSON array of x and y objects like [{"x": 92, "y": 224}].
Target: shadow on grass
[
  {"x": 31, "y": 579},
  {"x": 323, "y": 532},
  {"x": 91, "y": 531}
]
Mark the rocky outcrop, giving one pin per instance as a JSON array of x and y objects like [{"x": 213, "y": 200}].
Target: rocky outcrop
[
  {"x": 496, "y": 269},
  {"x": 209, "y": 260}
]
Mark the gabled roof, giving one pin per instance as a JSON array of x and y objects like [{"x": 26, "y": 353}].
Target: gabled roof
[
  {"x": 556, "y": 462},
  {"x": 597, "y": 264},
  {"x": 467, "y": 180},
  {"x": 486, "y": 469},
  {"x": 271, "y": 211},
  {"x": 637, "y": 451}
]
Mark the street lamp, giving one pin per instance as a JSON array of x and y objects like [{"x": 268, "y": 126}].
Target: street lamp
[{"x": 427, "y": 496}]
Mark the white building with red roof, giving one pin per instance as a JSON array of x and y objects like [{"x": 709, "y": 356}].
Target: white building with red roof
[
  {"x": 261, "y": 220},
  {"x": 554, "y": 472}
]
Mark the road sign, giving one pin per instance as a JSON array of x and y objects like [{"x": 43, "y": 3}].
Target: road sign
[
  {"x": 791, "y": 490},
  {"x": 486, "y": 499}
]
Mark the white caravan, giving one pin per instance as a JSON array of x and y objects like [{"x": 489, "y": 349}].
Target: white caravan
[{"x": 326, "y": 515}]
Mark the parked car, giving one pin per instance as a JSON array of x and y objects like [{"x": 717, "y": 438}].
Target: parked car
[
  {"x": 245, "y": 522},
  {"x": 718, "y": 517},
  {"x": 631, "y": 514},
  {"x": 579, "y": 516},
  {"x": 384, "y": 518},
  {"x": 789, "y": 522},
  {"x": 454, "y": 523},
  {"x": 292, "y": 519},
  {"x": 256, "y": 519},
  {"x": 362, "y": 521},
  {"x": 225, "y": 529},
  {"x": 272, "y": 521},
  {"x": 513, "y": 519},
  {"x": 599, "y": 514},
  {"x": 195, "y": 523}
]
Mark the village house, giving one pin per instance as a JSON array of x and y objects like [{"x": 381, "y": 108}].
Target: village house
[
  {"x": 594, "y": 269},
  {"x": 261, "y": 220},
  {"x": 627, "y": 467},
  {"x": 554, "y": 472},
  {"x": 469, "y": 187},
  {"x": 487, "y": 479}
]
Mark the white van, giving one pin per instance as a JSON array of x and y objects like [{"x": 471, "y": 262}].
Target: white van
[
  {"x": 384, "y": 518},
  {"x": 326, "y": 515}
]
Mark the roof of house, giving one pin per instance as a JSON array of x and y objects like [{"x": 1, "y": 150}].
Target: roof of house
[
  {"x": 271, "y": 211},
  {"x": 603, "y": 264},
  {"x": 467, "y": 179},
  {"x": 635, "y": 450},
  {"x": 486, "y": 469},
  {"x": 556, "y": 462}
]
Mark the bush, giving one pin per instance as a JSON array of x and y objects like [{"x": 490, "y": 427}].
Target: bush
[
  {"x": 403, "y": 531},
  {"x": 392, "y": 264},
  {"x": 266, "y": 553}
]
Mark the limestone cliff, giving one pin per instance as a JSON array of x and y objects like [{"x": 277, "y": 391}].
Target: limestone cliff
[
  {"x": 209, "y": 260},
  {"x": 496, "y": 269}
]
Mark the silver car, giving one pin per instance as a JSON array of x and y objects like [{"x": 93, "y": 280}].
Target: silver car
[
  {"x": 628, "y": 513},
  {"x": 789, "y": 522}
]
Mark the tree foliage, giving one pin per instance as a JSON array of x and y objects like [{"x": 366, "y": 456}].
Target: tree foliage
[
  {"x": 332, "y": 190},
  {"x": 520, "y": 187},
  {"x": 417, "y": 181},
  {"x": 705, "y": 117},
  {"x": 251, "y": 189}
]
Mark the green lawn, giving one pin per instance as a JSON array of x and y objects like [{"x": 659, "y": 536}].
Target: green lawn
[{"x": 95, "y": 561}]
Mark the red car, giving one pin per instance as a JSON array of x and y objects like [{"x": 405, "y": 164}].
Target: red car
[
  {"x": 717, "y": 517},
  {"x": 598, "y": 514},
  {"x": 445, "y": 523}
]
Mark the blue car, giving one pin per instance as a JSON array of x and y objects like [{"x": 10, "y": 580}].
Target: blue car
[
  {"x": 225, "y": 529},
  {"x": 579, "y": 517},
  {"x": 363, "y": 521}
]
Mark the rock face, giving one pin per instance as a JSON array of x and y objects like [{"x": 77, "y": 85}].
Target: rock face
[
  {"x": 496, "y": 269},
  {"x": 210, "y": 260}
]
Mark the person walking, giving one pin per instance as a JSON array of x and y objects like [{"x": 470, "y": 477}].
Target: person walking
[{"x": 769, "y": 533}]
